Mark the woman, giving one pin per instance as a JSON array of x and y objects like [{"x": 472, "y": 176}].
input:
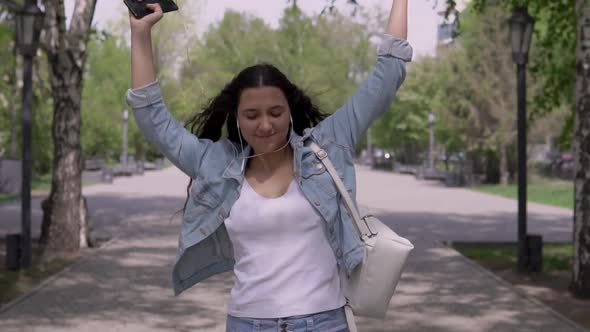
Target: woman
[{"x": 260, "y": 201}]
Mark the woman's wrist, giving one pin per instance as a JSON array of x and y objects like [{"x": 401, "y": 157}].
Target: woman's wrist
[
  {"x": 140, "y": 32},
  {"x": 141, "y": 40},
  {"x": 398, "y": 19},
  {"x": 142, "y": 67}
]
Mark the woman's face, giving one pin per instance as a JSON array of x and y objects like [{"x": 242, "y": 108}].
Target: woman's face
[{"x": 263, "y": 115}]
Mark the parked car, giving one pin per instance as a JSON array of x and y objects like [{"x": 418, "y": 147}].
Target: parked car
[
  {"x": 562, "y": 165},
  {"x": 383, "y": 158}
]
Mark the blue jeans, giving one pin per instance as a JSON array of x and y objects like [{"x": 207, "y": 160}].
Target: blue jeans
[{"x": 327, "y": 321}]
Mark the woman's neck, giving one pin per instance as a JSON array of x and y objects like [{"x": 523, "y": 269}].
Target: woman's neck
[{"x": 272, "y": 162}]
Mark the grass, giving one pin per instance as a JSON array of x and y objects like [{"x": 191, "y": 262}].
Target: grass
[
  {"x": 15, "y": 283},
  {"x": 551, "y": 192},
  {"x": 551, "y": 286},
  {"x": 498, "y": 256},
  {"x": 8, "y": 197},
  {"x": 39, "y": 185}
]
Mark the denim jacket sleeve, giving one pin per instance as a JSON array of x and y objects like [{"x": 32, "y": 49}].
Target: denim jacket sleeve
[
  {"x": 180, "y": 146},
  {"x": 373, "y": 97}
]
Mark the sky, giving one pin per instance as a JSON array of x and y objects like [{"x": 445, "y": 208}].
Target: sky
[{"x": 422, "y": 17}]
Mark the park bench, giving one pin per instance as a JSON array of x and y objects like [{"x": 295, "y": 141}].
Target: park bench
[
  {"x": 405, "y": 169},
  {"x": 10, "y": 176},
  {"x": 94, "y": 164}
]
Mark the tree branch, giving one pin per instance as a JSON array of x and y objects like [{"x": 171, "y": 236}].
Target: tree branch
[{"x": 12, "y": 6}]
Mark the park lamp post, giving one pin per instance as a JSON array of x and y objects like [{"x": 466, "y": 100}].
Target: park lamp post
[
  {"x": 585, "y": 38},
  {"x": 431, "y": 119},
  {"x": 29, "y": 22},
  {"x": 521, "y": 30},
  {"x": 124, "y": 153}
]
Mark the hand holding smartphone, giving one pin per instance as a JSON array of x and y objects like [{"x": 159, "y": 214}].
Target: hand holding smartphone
[{"x": 138, "y": 8}]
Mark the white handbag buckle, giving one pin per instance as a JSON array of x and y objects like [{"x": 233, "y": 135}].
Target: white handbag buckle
[
  {"x": 372, "y": 234},
  {"x": 322, "y": 154}
]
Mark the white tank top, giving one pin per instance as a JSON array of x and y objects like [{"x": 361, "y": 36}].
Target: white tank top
[{"x": 284, "y": 264}]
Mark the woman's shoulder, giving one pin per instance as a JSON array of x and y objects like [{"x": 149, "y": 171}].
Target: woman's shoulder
[
  {"x": 218, "y": 157},
  {"x": 223, "y": 149}
]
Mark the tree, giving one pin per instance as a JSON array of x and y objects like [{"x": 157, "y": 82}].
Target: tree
[
  {"x": 65, "y": 222},
  {"x": 562, "y": 63},
  {"x": 10, "y": 83},
  {"x": 405, "y": 127},
  {"x": 7, "y": 93},
  {"x": 106, "y": 78},
  {"x": 309, "y": 50},
  {"x": 468, "y": 87},
  {"x": 490, "y": 73},
  {"x": 580, "y": 284}
]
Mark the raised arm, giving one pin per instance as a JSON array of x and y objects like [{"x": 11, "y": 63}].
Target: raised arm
[
  {"x": 142, "y": 61},
  {"x": 374, "y": 96},
  {"x": 181, "y": 147},
  {"x": 398, "y": 19}
]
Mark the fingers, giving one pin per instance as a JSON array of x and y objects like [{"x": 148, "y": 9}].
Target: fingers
[
  {"x": 155, "y": 7},
  {"x": 150, "y": 19}
]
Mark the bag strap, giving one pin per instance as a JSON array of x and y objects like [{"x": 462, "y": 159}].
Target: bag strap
[
  {"x": 361, "y": 226},
  {"x": 350, "y": 321}
]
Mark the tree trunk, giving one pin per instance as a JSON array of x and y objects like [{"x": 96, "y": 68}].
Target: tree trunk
[
  {"x": 580, "y": 285},
  {"x": 65, "y": 223},
  {"x": 63, "y": 216}
]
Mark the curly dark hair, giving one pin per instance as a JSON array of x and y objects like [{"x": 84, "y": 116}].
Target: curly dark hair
[{"x": 222, "y": 108}]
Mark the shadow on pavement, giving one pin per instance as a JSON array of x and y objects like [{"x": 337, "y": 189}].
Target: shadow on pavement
[
  {"x": 126, "y": 286},
  {"x": 123, "y": 285},
  {"x": 499, "y": 226}
]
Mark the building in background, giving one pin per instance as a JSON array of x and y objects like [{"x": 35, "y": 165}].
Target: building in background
[{"x": 446, "y": 25}]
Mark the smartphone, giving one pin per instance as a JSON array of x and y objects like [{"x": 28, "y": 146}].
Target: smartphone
[{"x": 139, "y": 10}]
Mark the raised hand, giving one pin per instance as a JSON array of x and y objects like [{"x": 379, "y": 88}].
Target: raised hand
[{"x": 147, "y": 22}]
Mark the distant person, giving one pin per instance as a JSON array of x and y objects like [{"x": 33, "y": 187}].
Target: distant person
[{"x": 260, "y": 202}]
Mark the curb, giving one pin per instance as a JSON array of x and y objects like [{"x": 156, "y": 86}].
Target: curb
[
  {"x": 56, "y": 276},
  {"x": 521, "y": 293}
]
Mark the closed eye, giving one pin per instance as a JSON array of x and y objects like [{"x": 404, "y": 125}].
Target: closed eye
[
  {"x": 275, "y": 111},
  {"x": 274, "y": 115}
]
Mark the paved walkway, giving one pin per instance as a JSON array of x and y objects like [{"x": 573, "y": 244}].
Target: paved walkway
[{"x": 125, "y": 286}]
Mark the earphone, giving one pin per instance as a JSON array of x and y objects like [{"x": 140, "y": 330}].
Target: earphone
[{"x": 260, "y": 154}]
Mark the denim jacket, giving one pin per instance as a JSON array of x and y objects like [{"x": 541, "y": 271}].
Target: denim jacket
[{"x": 204, "y": 247}]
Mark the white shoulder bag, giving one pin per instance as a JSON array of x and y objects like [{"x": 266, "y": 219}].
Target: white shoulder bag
[{"x": 372, "y": 284}]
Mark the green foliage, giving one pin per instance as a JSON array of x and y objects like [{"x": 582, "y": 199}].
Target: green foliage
[
  {"x": 41, "y": 125},
  {"x": 105, "y": 83},
  {"x": 41, "y": 133},
  {"x": 322, "y": 55},
  {"x": 6, "y": 86},
  {"x": 325, "y": 56},
  {"x": 234, "y": 43},
  {"x": 553, "y": 57},
  {"x": 490, "y": 73},
  {"x": 471, "y": 88},
  {"x": 342, "y": 57}
]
